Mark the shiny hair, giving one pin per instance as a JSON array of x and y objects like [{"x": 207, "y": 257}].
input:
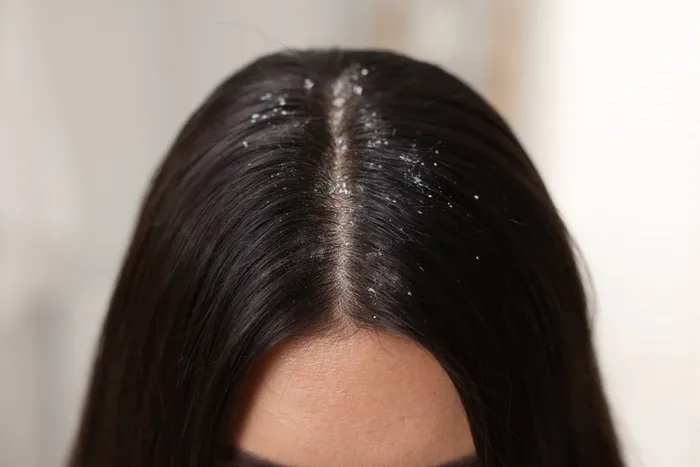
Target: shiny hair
[{"x": 315, "y": 190}]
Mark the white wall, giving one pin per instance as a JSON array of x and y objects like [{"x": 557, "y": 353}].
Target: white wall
[{"x": 611, "y": 109}]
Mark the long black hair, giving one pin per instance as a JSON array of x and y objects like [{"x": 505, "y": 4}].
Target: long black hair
[{"x": 319, "y": 189}]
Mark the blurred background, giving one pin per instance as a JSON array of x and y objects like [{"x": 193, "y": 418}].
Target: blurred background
[{"x": 605, "y": 94}]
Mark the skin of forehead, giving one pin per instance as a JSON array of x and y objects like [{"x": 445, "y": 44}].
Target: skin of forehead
[{"x": 368, "y": 398}]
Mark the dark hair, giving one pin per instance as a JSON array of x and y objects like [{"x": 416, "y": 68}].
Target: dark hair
[{"x": 320, "y": 189}]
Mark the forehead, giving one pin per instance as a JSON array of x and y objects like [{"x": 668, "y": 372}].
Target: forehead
[{"x": 364, "y": 399}]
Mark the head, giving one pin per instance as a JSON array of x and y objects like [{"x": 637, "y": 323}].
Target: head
[{"x": 346, "y": 259}]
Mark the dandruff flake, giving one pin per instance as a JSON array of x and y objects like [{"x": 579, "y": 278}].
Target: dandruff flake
[{"x": 308, "y": 84}]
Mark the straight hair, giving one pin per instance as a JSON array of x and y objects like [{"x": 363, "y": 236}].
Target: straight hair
[{"x": 316, "y": 190}]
